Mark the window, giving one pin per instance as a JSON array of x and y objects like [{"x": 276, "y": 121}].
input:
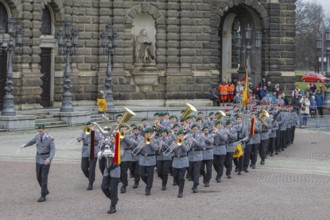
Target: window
[
  {"x": 3, "y": 17},
  {"x": 46, "y": 27}
]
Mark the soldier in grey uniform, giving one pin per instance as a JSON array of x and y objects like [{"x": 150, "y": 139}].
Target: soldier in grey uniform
[
  {"x": 255, "y": 142},
  {"x": 147, "y": 160},
  {"x": 272, "y": 135},
  {"x": 111, "y": 176},
  {"x": 230, "y": 147},
  {"x": 164, "y": 162},
  {"x": 45, "y": 154},
  {"x": 88, "y": 164},
  {"x": 266, "y": 125},
  {"x": 137, "y": 138},
  {"x": 126, "y": 145},
  {"x": 207, "y": 157},
  {"x": 282, "y": 120},
  {"x": 242, "y": 135},
  {"x": 195, "y": 156},
  {"x": 180, "y": 162},
  {"x": 219, "y": 149}
]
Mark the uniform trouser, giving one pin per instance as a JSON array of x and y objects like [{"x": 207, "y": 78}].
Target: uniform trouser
[
  {"x": 102, "y": 164},
  {"x": 282, "y": 134},
  {"x": 239, "y": 163},
  {"x": 163, "y": 167},
  {"x": 147, "y": 175},
  {"x": 88, "y": 168},
  {"x": 208, "y": 174},
  {"x": 263, "y": 149},
  {"x": 136, "y": 171},
  {"x": 247, "y": 156},
  {"x": 124, "y": 165},
  {"x": 42, "y": 171},
  {"x": 272, "y": 145},
  {"x": 218, "y": 164},
  {"x": 278, "y": 141},
  {"x": 132, "y": 168},
  {"x": 195, "y": 171},
  {"x": 110, "y": 188},
  {"x": 293, "y": 129},
  {"x": 229, "y": 162},
  {"x": 254, "y": 153},
  {"x": 178, "y": 175}
]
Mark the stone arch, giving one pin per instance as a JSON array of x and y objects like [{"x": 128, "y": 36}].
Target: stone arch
[
  {"x": 254, "y": 4},
  {"x": 13, "y": 8},
  {"x": 145, "y": 8},
  {"x": 56, "y": 7}
]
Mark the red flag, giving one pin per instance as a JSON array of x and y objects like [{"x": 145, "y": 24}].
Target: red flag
[
  {"x": 252, "y": 127},
  {"x": 116, "y": 159}
]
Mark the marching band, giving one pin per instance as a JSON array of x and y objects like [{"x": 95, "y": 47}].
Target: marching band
[{"x": 193, "y": 145}]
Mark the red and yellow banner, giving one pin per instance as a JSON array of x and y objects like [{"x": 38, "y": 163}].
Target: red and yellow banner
[{"x": 116, "y": 159}]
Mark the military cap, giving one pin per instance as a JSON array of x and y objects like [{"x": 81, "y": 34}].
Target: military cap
[
  {"x": 228, "y": 122},
  {"x": 143, "y": 119},
  {"x": 156, "y": 114},
  {"x": 211, "y": 113},
  {"x": 88, "y": 123},
  {"x": 119, "y": 115},
  {"x": 217, "y": 122},
  {"x": 41, "y": 126},
  {"x": 205, "y": 127},
  {"x": 193, "y": 125},
  {"x": 176, "y": 125},
  {"x": 161, "y": 113},
  {"x": 179, "y": 132},
  {"x": 199, "y": 119},
  {"x": 164, "y": 130},
  {"x": 148, "y": 130}
]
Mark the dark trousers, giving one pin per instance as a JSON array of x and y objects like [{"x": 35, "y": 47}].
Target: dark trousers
[
  {"x": 271, "y": 145},
  {"x": 247, "y": 156},
  {"x": 218, "y": 164},
  {"x": 239, "y": 163},
  {"x": 288, "y": 137},
  {"x": 208, "y": 174},
  {"x": 282, "y": 134},
  {"x": 293, "y": 130},
  {"x": 124, "y": 165},
  {"x": 254, "y": 153},
  {"x": 263, "y": 149},
  {"x": 195, "y": 172},
  {"x": 178, "y": 175},
  {"x": 110, "y": 188},
  {"x": 88, "y": 168},
  {"x": 163, "y": 167},
  {"x": 278, "y": 142},
  {"x": 42, "y": 177},
  {"x": 147, "y": 175},
  {"x": 132, "y": 168},
  {"x": 136, "y": 171},
  {"x": 320, "y": 111},
  {"x": 229, "y": 162},
  {"x": 102, "y": 164}
]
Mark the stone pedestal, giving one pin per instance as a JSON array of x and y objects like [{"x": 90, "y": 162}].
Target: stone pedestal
[
  {"x": 18, "y": 122},
  {"x": 145, "y": 78},
  {"x": 74, "y": 118}
]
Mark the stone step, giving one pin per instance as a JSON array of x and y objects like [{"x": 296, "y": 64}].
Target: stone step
[{"x": 46, "y": 120}]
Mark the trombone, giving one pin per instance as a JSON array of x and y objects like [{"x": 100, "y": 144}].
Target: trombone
[
  {"x": 142, "y": 144},
  {"x": 177, "y": 143}
]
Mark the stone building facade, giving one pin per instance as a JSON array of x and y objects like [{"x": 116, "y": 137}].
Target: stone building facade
[{"x": 192, "y": 44}]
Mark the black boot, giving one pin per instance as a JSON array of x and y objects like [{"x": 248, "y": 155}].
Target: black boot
[
  {"x": 136, "y": 184},
  {"x": 112, "y": 209},
  {"x": 90, "y": 186},
  {"x": 164, "y": 187},
  {"x": 180, "y": 194},
  {"x": 123, "y": 189},
  {"x": 42, "y": 199}
]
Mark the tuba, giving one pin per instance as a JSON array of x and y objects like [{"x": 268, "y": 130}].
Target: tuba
[
  {"x": 190, "y": 108},
  {"x": 221, "y": 114}
]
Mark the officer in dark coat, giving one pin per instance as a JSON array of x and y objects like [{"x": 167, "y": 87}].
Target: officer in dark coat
[{"x": 45, "y": 154}]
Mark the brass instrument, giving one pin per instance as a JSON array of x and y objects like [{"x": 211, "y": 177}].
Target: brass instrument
[
  {"x": 221, "y": 114},
  {"x": 177, "y": 143},
  {"x": 190, "y": 108},
  {"x": 263, "y": 115},
  {"x": 142, "y": 144},
  {"x": 156, "y": 125},
  {"x": 123, "y": 133}
]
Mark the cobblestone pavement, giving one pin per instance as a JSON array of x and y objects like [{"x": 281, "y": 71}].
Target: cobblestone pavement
[{"x": 292, "y": 185}]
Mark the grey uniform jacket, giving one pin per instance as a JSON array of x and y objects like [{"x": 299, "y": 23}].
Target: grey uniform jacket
[
  {"x": 126, "y": 145},
  {"x": 231, "y": 138},
  {"x": 208, "y": 149},
  {"x": 147, "y": 156},
  {"x": 281, "y": 118},
  {"x": 180, "y": 159},
  {"x": 166, "y": 143},
  {"x": 255, "y": 139},
  {"x": 86, "y": 140},
  {"x": 219, "y": 145},
  {"x": 136, "y": 141},
  {"x": 264, "y": 135},
  {"x": 274, "y": 129},
  {"x": 115, "y": 173},
  {"x": 197, "y": 146},
  {"x": 45, "y": 148}
]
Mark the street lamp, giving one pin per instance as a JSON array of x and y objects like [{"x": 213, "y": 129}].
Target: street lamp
[
  {"x": 107, "y": 43},
  {"x": 248, "y": 34},
  {"x": 68, "y": 38},
  {"x": 327, "y": 92},
  {"x": 8, "y": 100}
]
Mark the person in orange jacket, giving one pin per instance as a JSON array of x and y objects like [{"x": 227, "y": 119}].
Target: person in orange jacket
[
  {"x": 231, "y": 89},
  {"x": 223, "y": 89}
]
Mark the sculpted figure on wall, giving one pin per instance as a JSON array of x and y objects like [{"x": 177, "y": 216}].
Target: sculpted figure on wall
[{"x": 144, "y": 49}]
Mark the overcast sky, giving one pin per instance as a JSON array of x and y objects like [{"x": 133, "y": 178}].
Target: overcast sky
[{"x": 324, "y": 3}]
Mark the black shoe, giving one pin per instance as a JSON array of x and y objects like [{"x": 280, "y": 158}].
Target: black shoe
[
  {"x": 246, "y": 170},
  {"x": 207, "y": 184},
  {"x": 135, "y": 185},
  {"x": 276, "y": 153},
  {"x": 239, "y": 173},
  {"x": 271, "y": 155},
  {"x": 180, "y": 195},
  {"x": 236, "y": 169},
  {"x": 131, "y": 176},
  {"x": 262, "y": 162},
  {"x": 164, "y": 187},
  {"x": 112, "y": 210},
  {"x": 90, "y": 186},
  {"x": 42, "y": 199},
  {"x": 195, "y": 190},
  {"x": 123, "y": 189},
  {"x": 253, "y": 166},
  {"x": 189, "y": 179},
  {"x": 229, "y": 176},
  {"x": 218, "y": 179},
  {"x": 148, "y": 193}
]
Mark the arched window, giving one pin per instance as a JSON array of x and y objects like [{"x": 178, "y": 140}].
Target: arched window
[
  {"x": 46, "y": 22},
  {"x": 3, "y": 17}
]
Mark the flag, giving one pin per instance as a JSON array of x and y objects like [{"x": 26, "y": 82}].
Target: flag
[
  {"x": 102, "y": 104},
  {"x": 116, "y": 158},
  {"x": 246, "y": 93},
  {"x": 252, "y": 127}
]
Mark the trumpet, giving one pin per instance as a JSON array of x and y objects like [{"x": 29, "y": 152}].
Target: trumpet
[{"x": 123, "y": 133}]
